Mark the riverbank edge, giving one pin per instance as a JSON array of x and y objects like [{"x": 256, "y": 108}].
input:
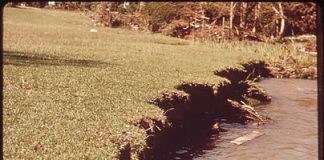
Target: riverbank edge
[{"x": 199, "y": 107}]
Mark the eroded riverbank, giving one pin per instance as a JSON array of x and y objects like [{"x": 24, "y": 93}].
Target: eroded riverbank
[
  {"x": 198, "y": 109},
  {"x": 199, "y": 113},
  {"x": 83, "y": 108},
  {"x": 290, "y": 134}
]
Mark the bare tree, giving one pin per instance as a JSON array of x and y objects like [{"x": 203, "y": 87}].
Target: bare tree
[
  {"x": 279, "y": 11},
  {"x": 256, "y": 15},
  {"x": 232, "y": 7}
]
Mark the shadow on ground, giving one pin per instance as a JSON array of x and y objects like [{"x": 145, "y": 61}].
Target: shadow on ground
[{"x": 30, "y": 59}]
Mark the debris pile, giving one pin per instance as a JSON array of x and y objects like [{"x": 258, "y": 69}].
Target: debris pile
[
  {"x": 292, "y": 69},
  {"x": 103, "y": 16}
]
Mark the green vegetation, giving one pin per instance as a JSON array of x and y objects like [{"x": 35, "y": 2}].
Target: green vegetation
[{"x": 70, "y": 93}]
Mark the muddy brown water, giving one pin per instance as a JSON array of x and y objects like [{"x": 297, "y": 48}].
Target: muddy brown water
[{"x": 291, "y": 134}]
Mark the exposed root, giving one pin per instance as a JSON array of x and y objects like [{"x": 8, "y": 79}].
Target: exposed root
[{"x": 246, "y": 110}]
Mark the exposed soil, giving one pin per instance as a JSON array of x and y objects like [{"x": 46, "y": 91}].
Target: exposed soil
[{"x": 199, "y": 108}]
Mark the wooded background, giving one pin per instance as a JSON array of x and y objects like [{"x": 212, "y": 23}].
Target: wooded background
[{"x": 260, "y": 21}]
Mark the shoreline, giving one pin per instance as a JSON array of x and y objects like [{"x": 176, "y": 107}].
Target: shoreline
[
  {"x": 199, "y": 108},
  {"x": 115, "y": 95}
]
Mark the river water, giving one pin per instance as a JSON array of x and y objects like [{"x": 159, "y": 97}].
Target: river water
[{"x": 291, "y": 134}]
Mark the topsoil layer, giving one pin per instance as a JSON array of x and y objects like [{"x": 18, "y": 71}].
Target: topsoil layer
[{"x": 197, "y": 108}]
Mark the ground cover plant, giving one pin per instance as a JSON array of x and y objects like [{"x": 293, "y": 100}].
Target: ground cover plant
[{"x": 71, "y": 93}]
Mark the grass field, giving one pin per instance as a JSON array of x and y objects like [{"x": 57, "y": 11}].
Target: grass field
[{"x": 71, "y": 94}]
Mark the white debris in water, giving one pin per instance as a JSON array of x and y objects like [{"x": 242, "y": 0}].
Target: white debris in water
[
  {"x": 247, "y": 137},
  {"x": 181, "y": 151},
  {"x": 93, "y": 30}
]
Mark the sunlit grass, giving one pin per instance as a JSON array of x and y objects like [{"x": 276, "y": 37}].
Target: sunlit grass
[{"x": 70, "y": 93}]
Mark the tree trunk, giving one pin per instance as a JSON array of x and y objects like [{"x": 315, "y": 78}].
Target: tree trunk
[
  {"x": 223, "y": 28},
  {"x": 282, "y": 17},
  {"x": 202, "y": 16},
  {"x": 232, "y": 6},
  {"x": 231, "y": 15},
  {"x": 256, "y": 16},
  {"x": 282, "y": 24},
  {"x": 277, "y": 28},
  {"x": 243, "y": 14}
]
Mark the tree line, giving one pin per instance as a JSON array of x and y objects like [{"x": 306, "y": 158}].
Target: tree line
[{"x": 227, "y": 20}]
